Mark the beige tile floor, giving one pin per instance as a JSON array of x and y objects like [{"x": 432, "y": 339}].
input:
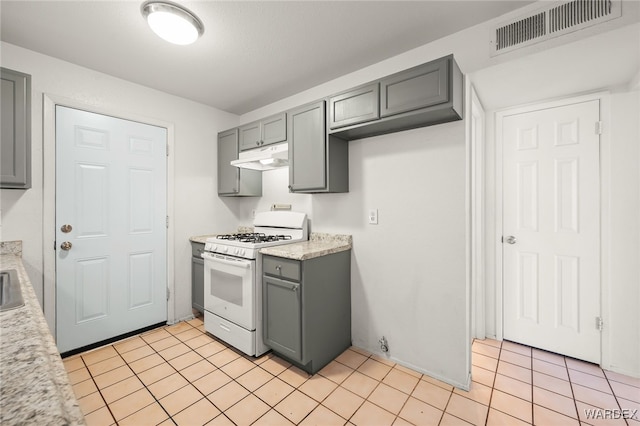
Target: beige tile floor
[{"x": 181, "y": 375}]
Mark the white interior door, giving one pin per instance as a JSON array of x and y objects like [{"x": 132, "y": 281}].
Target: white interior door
[
  {"x": 111, "y": 189},
  {"x": 551, "y": 226}
]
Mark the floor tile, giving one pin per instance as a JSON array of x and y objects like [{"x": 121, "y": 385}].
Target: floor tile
[
  {"x": 129, "y": 344},
  {"x": 254, "y": 378},
  {"x": 237, "y": 367},
  {"x": 113, "y": 376},
  {"x": 101, "y": 417},
  {"x": 296, "y": 406},
  {"x": 588, "y": 380},
  {"x": 477, "y": 392},
  {"x": 198, "y": 341},
  {"x": 210, "y": 349},
  {"x": 121, "y": 389},
  {"x": 169, "y": 384},
  {"x": 84, "y": 388},
  {"x": 73, "y": 364},
  {"x": 419, "y": 413},
  {"x": 389, "y": 398},
  {"x": 155, "y": 335},
  {"x": 98, "y": 355},
  {"x": 272, "y": 418},
  {"x": 585, "y": 367},
  {"x": 400, "y": 380},
  {"x": 152, "y": 414},
  {"x": 188, "y": 334},
  {"x": 511, "y": 405},
  {"x": 431, "y": 394},
  {"x": 179, "y": 327},
  {"x": 449, "y": 420},
  {"x": 515, "y": 358},
  {"x": 482, "y": 376},
  {"x": 437, "y": 382},
  {"x": 106, "y": 365},
  {"x": 274, "y": 391},
  {"x": 487, "y": 350},
  {"x": 360, "y": 384},
  {"x": 351, "y": 359},
  {"x": 124, "y": 407},
  {"x": 222, "y": 358},
  {"x": 336, "y": 372},
  {"x": 211, "y": 382},
  {"x": 343, "y": 402},
  {"x": 370, "y": 414},
  {"x": 555, "y": 402},
  {"x": 156, "y": 373},
  {"x": 227, "y": 395},
  {"x": 165, "y": 343},
  {"x": 78, "y": 376},
  {"x": 544, "y": 416},
  {"x": 621, "y": 378},
  {"x": 514, "y": 371},
  {"x": 466, "y": 409},
  {"x": 138, "y": 353},
  {"x": 552, "y": 384},
  {"x": 197, "y": 370},
  {"x": 275, "y": 365},
  {"x": 550, "y": 369},
  {"x": 486, "y": 362},
  {"x": 498, "y": 418},
  {"x": 318, "y": 387},
  {"x": 180, "y": 399},
  {"x": 294, "y": 376},
  {"x": 247, "y": 411},
  {"x": 383, "y": 360},
  {"x": 374, "y": 369},
  {"x": 624, "y": 391},
  {"x": 185, "y": 360},
  {"x": 91, "y": 403},
  {"x": 548, "y": 357},
  {"x": 593, "y": 397},
  {"x": 174, "y": 351},
  {"x": 409, "y": 371},
  {"x": 220, "y": 420},
  {"x": 590, "y": 415},
  {"x": 512, "y": 386},
  {"x": 146, "y": 363},
  {"x": 322, "y": 416},
  {"x": 516, "y": 347}
]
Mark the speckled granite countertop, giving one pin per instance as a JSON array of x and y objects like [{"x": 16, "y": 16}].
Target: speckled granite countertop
[
  {"x": 34, "y": 386},
  {"x": 319, "y": 244}
]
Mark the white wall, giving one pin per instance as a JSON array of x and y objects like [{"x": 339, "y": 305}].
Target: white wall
[{"x": 197, "y": 208}]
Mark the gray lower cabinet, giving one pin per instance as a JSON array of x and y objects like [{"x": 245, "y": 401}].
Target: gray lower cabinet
[
  {"x": 307, "y": 308},
  {"x": 264, "y": 132},
  {"x": 233, "y": 181},
  {"x": 15, "y": 145},
  {"x": 197, "y": 276},
  {"x": 317, "y": 162},
  {"x": 421, "y": 96}
]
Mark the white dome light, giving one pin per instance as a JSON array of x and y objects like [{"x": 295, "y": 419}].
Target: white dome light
[{"x": 172, "y": 22}]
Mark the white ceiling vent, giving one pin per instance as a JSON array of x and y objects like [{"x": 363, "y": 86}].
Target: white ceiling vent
[{"x": 553, "y": 21}]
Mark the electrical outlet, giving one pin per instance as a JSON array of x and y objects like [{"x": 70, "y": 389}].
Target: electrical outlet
[
  {"x": 373, "y": 216},
  {"x": 253, "y": 213}
]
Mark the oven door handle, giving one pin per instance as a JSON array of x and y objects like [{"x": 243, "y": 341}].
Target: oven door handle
[{"x": 237, "y": 264}]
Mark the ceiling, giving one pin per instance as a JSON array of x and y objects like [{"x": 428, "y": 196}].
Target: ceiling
[{"x": 252, "y": 53}]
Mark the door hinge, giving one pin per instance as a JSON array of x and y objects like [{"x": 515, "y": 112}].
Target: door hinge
[
  {"x": 598, "y": 127},
  {"x": 599, "y": 323},
  {"x": 168, "y": 293},
  {"x": 54, "y": 246},
  {"x": 167, "y": 221}
]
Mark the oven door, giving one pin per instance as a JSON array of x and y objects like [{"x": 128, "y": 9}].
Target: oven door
[{"x": 229, "y": 288}]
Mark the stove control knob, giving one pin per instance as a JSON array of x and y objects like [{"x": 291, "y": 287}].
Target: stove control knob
[
  {"x": 241, "y": 252},
  {"x": 236, "y": 251},
  {"x": 207, "y": 247},
  {"x": 213, "y": 247},
  {"x": 224, "y": 249}
]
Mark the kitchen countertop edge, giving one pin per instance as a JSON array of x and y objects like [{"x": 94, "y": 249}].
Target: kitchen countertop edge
[
  {"x": 319, "y": 244},
  {"x": 36, "y": 363}
]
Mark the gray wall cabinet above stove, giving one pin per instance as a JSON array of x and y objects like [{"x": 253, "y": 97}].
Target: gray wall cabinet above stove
[
  {"x": 421, "y": 96},
  {"x": 317, "y": 162},
  {"x": 233, "y": 181},
  {"x": 307, "y": 308},
  {"x": 15, "y": 145},
  {"x": 264, "y": 132}
]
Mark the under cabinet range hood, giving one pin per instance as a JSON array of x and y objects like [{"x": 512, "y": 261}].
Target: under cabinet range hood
[{"x": 266, "y": 158}]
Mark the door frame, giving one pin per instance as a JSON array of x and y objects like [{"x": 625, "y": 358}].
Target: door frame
[
  {"x": 605, "y": 183},
  {"x": 50, "y": 102}
]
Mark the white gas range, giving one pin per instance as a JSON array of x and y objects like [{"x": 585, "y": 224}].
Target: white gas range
[{"x": 233, "y": 278}]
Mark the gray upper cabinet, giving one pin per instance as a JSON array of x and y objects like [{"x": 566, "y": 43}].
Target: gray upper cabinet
[
  {"x": 415, "y": 88},
  {"x": 422, "y": 96},
  {"x": 264, "y": 132},
  {"x": 15, "y": 145},
  {"x": 232, "y": 181},
  {"x": 354, "y": 106},
  {"x": 317, "y": 162}
]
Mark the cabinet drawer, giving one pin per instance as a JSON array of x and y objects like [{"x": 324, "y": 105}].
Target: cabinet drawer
[
  {"x": 355, "y": 106},
  {"x": 416, "y": 88},
  {"x": 281, "y": 267}
]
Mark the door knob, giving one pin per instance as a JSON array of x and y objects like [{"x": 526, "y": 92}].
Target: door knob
[
  {"x": 510, "y": 239},
  {"x": 66, "y": 228},
  {"x": 66, "y": 246}
]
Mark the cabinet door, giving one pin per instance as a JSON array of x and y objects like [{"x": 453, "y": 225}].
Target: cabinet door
[
  {"x": 307, "y": 148},
  {"x": 355, "y": 106},
  {"x": 228, "y": 175},
  {"x": 197, "y": 283},
  {"x": 282, "y": 316},
  {"x": 274, "y": 129},
  {"x": 15, "y": 145},
  {"x": 250, "y": 136},
  {"x": 415, "y": 88}
]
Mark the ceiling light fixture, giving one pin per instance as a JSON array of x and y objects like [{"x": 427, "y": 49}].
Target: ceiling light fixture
[{"x": 172, "y": 22}]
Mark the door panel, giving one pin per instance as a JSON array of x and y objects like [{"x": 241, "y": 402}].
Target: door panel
[
  {"x": 111, "y": 188},
  {"x": 551, "y": 207},
  {"x": 307, "y": 148}
]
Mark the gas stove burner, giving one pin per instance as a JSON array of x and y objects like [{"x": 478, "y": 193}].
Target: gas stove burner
[{"x": 253, "y": 237}]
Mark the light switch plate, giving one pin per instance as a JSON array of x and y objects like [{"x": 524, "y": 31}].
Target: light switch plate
[{"x": 373, "y": 216}]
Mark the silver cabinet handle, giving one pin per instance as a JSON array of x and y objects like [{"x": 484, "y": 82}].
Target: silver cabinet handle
[{"x": 510, "y": 239}]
